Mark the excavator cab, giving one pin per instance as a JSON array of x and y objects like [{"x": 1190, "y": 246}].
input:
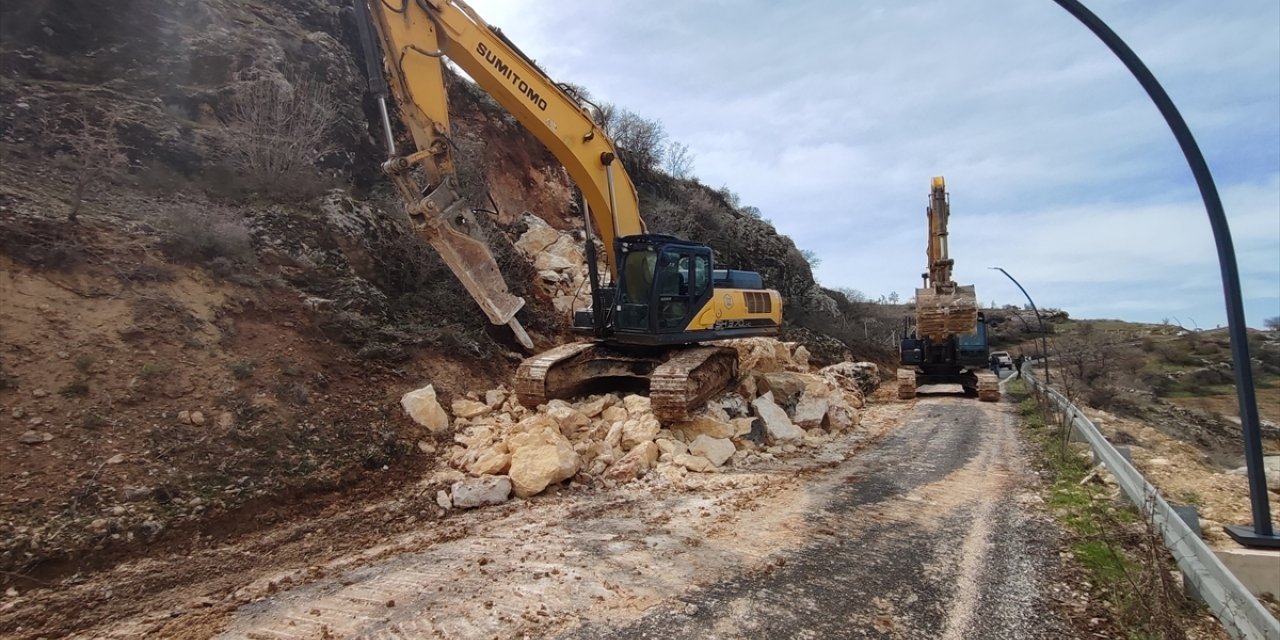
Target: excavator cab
[{"x": 663, "y": 282}]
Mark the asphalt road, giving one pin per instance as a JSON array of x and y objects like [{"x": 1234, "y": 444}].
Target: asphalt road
[{"x": 934, "y": 533}]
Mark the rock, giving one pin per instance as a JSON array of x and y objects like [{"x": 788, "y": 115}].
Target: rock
[
  {"x": 569, "y": 419},
  {"x": 567, "y": 247},
  {"x": 468, "y": 409},
  {"x": 551, "y": 262},
  {"x": 734, "y": 405},
  {"x": 478, "y": 492},
  {"x": 785, "y": 386},
  {"x": 756, "y": 354},
  {"x": 671, "y": 447},
  {"x": 637, "y": 405},
  {"x": 35, "y": 421},
  {"x": 614, "y": 414},
  {"x": 539, "y": 459},
  {"x": 426, "y": 447},
  {"x": 841, "y": 416},
  {"x": 197, "y": 417},
  {"x": 593, "y": 408},
  {"x": 613, "y": 438},
  {"x": 638, "y": 430},
  {"x": 226, "y": 420},
  {"x": 549, "y": 276},
  {"x": 635, "y": 463},
  {"x": 747, "y": 387},
  {"x": 801, "y": 358},
  {"x": 812, "y": 408},
  {"x": 717, "y": 450},
  {"x": 495, "y": 460},
  {"x": 538, "y": 235},
  {"x": 742, "y": 426},
  {"x": 116, "y": 459},
  {"x": 494, "y": 398},
  {"x": 776, "y": 423},
  {"x": 706, "y": 425},
  {"x": 39, "y": 393},
  {"x": 132, "y": 494},
  {"x": 693, "y": 463},
  {"x": 18, "y": 413},
  {"x": 425, "y": 409},
  {"x": 445, "y": 476},
  {"x": 184, "y": 417},
  {"x": 35, "y": 437},
  {"x": 442, "y": 499},
  {"x": 863, "y": 377}
]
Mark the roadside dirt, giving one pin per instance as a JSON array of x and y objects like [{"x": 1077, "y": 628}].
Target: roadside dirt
[{"x": 924, "y": 521}]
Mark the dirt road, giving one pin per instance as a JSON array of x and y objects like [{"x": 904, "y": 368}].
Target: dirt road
[{"x": 925, "y": 523}]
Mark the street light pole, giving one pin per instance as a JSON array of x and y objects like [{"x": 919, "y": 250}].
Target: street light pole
[
  {"x": 1044, "y": 342},
  {"x": 1262, "y": 534}
]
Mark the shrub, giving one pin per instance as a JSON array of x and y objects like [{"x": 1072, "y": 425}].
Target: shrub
[{"x": 204, "y": 232}]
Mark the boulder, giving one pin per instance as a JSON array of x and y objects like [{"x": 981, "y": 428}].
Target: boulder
[
  {"x": 613, "y": 438},
  {"x": 551, "y": 262},
  {"x": 635, "y": 463},
  {"x": 717, "y": 450},
  {"x": 707, "y": 425},
  {"x": 776, "y": 423},
  {"x": 734, "y": 405},
  {"x": 614, "y": 414},
  {"x": 638, "y": 430},
  {"x": 495, "y": 460},
  {"x": 569, "y": 419},
  {"x": 469, "y": 493},
  {"x": 637, "y": 405},
  {"x": 538, "y": 235},
  {"x": 840, "y": 416},
  {"x": 693, "y": 463},
  {"x": 468, "y": 409},
  {"x": 495, "y": 397},
  {"x": 671, "y": 447},
  {"x": 811, "y": 411},
  {"x": 596, "y": 406},
  {"x": 800, "y": 357},
  {"x": 442, "y": 499},
  {"x": 786, "y": 386},
  {"x": 540, "y": 458},
  {"x": 863, "y": 377},
  {"x": 425, "y": 409}
]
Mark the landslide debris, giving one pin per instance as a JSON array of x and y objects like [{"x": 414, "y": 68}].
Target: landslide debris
[{"x": 777, "y": 403}]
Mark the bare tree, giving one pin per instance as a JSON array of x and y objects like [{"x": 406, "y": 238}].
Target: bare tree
[
  {"x": 277, "y": 127},
  {"x": 1272, "y": 324},
  {"x": 678, "y": 160},
  {"x": 642, "y": 139},
  {"x": 90, "y": 145}
]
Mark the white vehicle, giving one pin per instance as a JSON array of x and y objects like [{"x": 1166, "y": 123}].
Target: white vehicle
[{"x": 1003, "y": 358}]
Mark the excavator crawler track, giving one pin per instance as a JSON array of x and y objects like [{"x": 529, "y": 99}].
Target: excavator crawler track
[{"x": 679, "y": 379}]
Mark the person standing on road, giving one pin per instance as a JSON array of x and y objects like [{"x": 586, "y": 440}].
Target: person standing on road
[
  {"x": 995, "y": 366},
  {"x": 1017, "y": 365}
]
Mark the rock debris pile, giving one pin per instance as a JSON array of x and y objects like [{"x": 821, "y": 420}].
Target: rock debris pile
[{"x": 777, "y": 404}]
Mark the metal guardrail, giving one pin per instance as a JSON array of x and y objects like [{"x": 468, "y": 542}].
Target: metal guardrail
[{"x": 1241, "y": 614}]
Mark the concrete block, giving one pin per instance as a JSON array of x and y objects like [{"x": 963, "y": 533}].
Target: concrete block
[
  {"x": 1122, "y": 450},
  {"x": 1191, "y": 516},
  {"x": 1257, "y": 569}
]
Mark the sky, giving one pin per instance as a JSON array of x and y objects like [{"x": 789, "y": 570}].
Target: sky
[{"x": 832, "y": 116}]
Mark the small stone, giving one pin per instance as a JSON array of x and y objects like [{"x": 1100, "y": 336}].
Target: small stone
[
  {"x": 39, "y": 393},
  {"x": 18, "y": 413},
  {"x": 494, "y": 398},
  {"x": 469, "y": 493},
  {"x": 226, "y": 420},
  {"x": 426, "y": 447},
  {"x": 35, "y": 437},
  {"x": 693, "y": 463},
  {"x": 11, "y": 592},
  {"x": 197, "y": 417},
  {"x": 442, "y": 499},
  {"x": 116, "y": 459},
  {"x": 184, "y": 417}
]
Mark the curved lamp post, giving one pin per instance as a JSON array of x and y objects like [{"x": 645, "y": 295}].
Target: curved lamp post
[
  {"x": 1261, "y": 535},
  {"x": 1044, "y": 343}
]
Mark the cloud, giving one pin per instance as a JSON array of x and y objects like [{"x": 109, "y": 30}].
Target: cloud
[{"x": 832, "y": 117}]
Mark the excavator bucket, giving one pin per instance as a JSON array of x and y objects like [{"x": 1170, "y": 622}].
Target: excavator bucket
[{"x": 941, "y": 314}]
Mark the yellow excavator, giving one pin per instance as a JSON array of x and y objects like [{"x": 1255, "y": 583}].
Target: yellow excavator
[
  {"x": 949, "y": 345},
  {"x": 660, "y": 296}
]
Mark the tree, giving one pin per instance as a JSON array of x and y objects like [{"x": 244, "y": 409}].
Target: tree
[
  {"x": 810, "y": 257},
  {"x": 642, "y": 140},
  {"x": 678, "y": 160},
  {"x": 277, "y": 128},
  {"x": 1272, "y": 324},
  {"x": 893, "y": 297},
  {"x": 91, "y": 148}
]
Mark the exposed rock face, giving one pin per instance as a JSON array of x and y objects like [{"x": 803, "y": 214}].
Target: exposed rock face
[
  {"x": 540, "y": 458},
  {"x": 425, "y": 409},
  {"x": 478, "y": 492}
]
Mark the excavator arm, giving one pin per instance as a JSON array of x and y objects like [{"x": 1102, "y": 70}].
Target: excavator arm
[{"x": 416, "y": 34}]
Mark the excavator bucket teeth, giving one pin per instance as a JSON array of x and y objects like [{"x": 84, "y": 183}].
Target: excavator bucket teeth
[{"x": 679, "y": 380}]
